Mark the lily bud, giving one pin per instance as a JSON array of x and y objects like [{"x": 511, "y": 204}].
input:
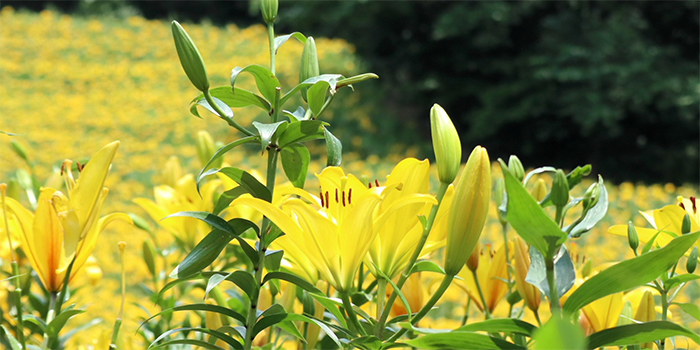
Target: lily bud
[
  {"x": 560, "y": 189},
  {"x": 13, "y": 189},
  {"x": 527, "y": 291},
  {"x": 516, "y": 168},
  {"x": 309, "y": 64},
  {"x": 632, "y": 236},
  {"x": 646, "y": 312},
  {"x": 190, "y": 58},
  {"x": 539, "y": 191},
  {"x": 626, "y": 315},
  {"x": 685, "y": 227},
  {"x": 446, "y": 144},
  {"x": 470, "y": 207},
  {"x": 269, "y": 10},
  {"x": 206, "y": 149},
  {"x": 172, "y": 172},
  {"x": 149, "y": 257},
  {"x": 692, "y": 262},
  {"x": 590, "y": 198}
]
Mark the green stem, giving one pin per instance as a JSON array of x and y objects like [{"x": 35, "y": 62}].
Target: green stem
[
  {"x": 466, "y": 310},
  {"x": 551, "y": 281},
  {"x": 558, "y": 215},
  {"x": 18, "y": 300},
  {"x": 325, "y": 105},
  {"x": 253, "y": 311},
  {"x": 49, "y": 317},
  {"x": 424, "y": 311},
  {"x": 381, "y": 296},
  {"x": 222, "y": 115},
  {"x": 271, "y": 39},
  {"x": 537, "y": 318},
  {"x": 487, "y": 313},
  {"x": 416, "y": 253},
  {"x": 664, "y": 314},
  {"x": 504, "y": 229},
  {"x": 347, "y": 304}
]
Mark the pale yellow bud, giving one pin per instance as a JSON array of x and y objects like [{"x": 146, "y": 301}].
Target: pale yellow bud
[
  {"x": 446, "y": 144},
  {"x": 521, "y": 265},
  {"x": 539, "y": 191}
]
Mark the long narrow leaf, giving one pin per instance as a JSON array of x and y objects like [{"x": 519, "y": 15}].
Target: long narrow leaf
[{"x": 639, "y": 333}]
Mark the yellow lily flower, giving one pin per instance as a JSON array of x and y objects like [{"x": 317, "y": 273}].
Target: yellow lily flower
[
  {"x": 177, "y": 197},
  {"x": 67, "y": 227},
  {"x": 667, "y": 222},
  {"x": 406, "y": 186},
  {"x": 334, "y": 231},
  {"x": 529, "y": 292},
  {"x": 603, "y": 313},
  {"x": 491, "y": 271}
]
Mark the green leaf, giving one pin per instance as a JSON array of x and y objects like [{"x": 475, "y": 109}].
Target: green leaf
[
  {"x": 226, "y": 198},
  {"x": 334, "y": 149},
  {"x": 356, "y": 79},
  {"x": 331, "y": 79},
  {"x": 219, "y": 335},
  {"x": 639, "y": 333},
  {"x": 690, "y": 308},
  {"x": 460, "y": 340},
  {"x": 248, "y": 250},
  {"x": 294, "y": 279},
  {"x": 295, "y": 162},
  {"x": 57, "y": 323},
  {"x": 280, "y": 40},
  {"x": 202, "y": 307},
  {"x": 244, "y": 280},
  {"x": 267, "y": 132},
  {"x": 213, "y": 220},
  {"x": 594, "y": 215},
  {"x": 559, "y": 333},
  {"x": 671, "y": 282},
  {"x": 266, "y": 81},
  {"x": 301, "y": 131},
  {"x": 234, "y": 98},
  {"x": 245, "y": 180},
  {"x": 317, "y": 96},
  {"x": 507, "y": 325},
  {"x": 228, "y": 112},
  {"x": 427, "y": 265},
  {"x": 575, "y": 176},
  {"x": 298, "y": 115},
  {"x": 529, "y": 219},
  {"x": 564, "y": 271},
  {"x": 368, "y": 342},
  {"x": 220, "y": 152},
  {"x": 209, "y": 248},
  {"x": 630, "y": 273},
  {"x": 539, "y": 170},
  {"x": 14, "y": 344}
]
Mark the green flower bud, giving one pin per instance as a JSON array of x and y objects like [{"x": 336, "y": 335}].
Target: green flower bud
[
  {"x": 685, "y": 227},
  {"x": 269, "y": 10},
  {"x": 627, "y": 314},
  {"x": 309, "y": 63},
  {"x": 590, "y": 198},
  {"x": 190, "y": 58},
  {"x": 446, "y": 144},
  {"x": 587, "y": 269},
  {"x": 470, "y": 207},
  {"x": 516, "y": 168},
  {"x": 206, "y": 149},
  {"x": 560, "y": 189},
  {"x": 355, "y": 79},
  {"x": 149, "y": 257},
  {"x": 13, "y": 189},
  {"x": 19, "y": 149},
  {"x": 692, "y": 262},
  {"x": 632, "y": 236},
  {"x": 498, "y": 195}
]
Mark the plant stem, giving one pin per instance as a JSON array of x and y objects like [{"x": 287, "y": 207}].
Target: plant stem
[
  {"x": 551, "y": 281},
  {"x": 271, "y": 39},
  {"x": 18, "y": 300},
  {"x": 664, "y": 312},
  {"x": 347, "y": 304},
  {"x": 504, "y": 229},
  {"x": 466, "y": 310},
  {"x": 424, "y": 311},
  {"x": 49, "y": 317},
  {"x": 381, "y": 295},
  {"x": 416, "y": 253},
  {"x": 487, "y": 314},
  {"x": 222, "y": 115}
]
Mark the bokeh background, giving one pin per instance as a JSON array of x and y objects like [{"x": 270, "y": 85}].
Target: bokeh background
[{"x": 613, "y": 84}]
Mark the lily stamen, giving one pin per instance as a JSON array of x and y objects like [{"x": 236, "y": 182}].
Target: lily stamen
[{"x": 67, "y": 174}]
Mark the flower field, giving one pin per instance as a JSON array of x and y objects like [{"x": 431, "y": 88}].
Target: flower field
[{"x": 71, "y": 85}]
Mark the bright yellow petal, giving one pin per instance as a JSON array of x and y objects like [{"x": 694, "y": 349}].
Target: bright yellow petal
[
  {"x": 645, "y": 234},
  {"x": 46, "y": 245},
  {"x": 356, "y": 235},
  {"x": 88, "y": 244},
  {"x": 88, "y": 188},
  {"x": 670, "y": 218}
]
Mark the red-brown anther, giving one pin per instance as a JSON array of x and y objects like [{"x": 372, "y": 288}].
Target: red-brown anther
[
  {"x": 695, "y": 208},
  {"x": 376, "y": 182},
  {"x": 63, "y": 168},
  {"x": 350, "y": 196},
  {"x": 369, "y": 185},
  {"x": 336, "y": 195},
  {"x": 327, "y": 201},
  {"x": 80, "y": 166},
  {"x": 321, "y": 195},
  {"x": 682, "y": 205},
  {"x": 343, "y": 198}
]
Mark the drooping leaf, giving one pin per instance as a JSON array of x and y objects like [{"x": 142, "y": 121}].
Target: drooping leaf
[
  {"x": 317, "y": 96},
  {"x": 427, "y": 265},
  {"x": 228, "y": 112},
  {"x": 214, "y": 221},
  {"x": 294, "y": 279},
  {"x": 564, "y": 271},
  {"x": 298, "y": 115},
  {"x": 334, "y": 149},
  {"x": 331, "y": 79},
  {"x": 280, "y": 40},
  {"x": 14, "y": 343},
  {"x": 226, "y": 198},
  {"x": 595, "y": 214},
  {"x": 301, "y": 131},
  {"x": 507, "y": 325},
  {"x": 460, "y": 340},
  {"x": 202, "y": 307},
  {"x": 247, "y": 181},
  {"x": 266, "y": 81},
  {"x": 273, "y": 259},
  {"x": 234, "y": 98},
  {"x": 671, "y": 282},
  {"x": 639, "y": 333},
  {"x": 244, "y": 280},
  {"x": 529, "y": 219},
  {"x": 220, "y": 152},
  {"x": 267, "y": 131},
  {"x": 295, "y": 162},
  {"x": 630, "y": 273},
  {"x": 218, "y": 335},
  {"x": 691, "y": 309}
]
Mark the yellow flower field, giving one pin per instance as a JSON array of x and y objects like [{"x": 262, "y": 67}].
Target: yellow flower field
[{"x": 71, "y": 85}]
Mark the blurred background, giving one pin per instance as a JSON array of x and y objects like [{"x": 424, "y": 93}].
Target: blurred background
[{"x": 614, "y": 84}]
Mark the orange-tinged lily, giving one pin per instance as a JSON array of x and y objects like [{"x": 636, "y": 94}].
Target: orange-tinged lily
[
  {"x": 604, "y": 313},
  {"x": 66, "y": 227},
  {"x": 491, "y": 271},
  {"x": 521, "y": 265},
  {"x": 667, "y": 222},
  {"x": 335, "y": 230}
]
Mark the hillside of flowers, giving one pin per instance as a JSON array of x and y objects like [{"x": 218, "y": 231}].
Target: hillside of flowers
[{"x": 71, "y": 86}]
